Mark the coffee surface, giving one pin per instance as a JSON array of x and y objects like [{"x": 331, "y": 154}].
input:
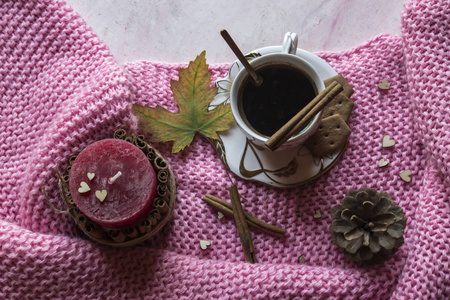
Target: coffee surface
[{"x": 284, "y": 92}]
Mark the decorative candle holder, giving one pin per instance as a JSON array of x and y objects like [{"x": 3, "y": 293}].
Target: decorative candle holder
[{"x": 149, "y": 226}]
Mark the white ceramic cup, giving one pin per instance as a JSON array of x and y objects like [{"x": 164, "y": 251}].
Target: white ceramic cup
[{"x": 288, "y": 56}]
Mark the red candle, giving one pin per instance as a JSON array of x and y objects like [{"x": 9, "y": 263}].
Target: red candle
[{"x": 113, "y": 183}]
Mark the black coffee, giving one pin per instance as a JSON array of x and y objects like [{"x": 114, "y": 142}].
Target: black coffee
[{"x": 284, "y": 92}]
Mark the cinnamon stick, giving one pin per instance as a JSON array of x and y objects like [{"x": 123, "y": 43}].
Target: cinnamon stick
[
  {"x": 241, "y": 224},
  {"x": 302, "y": 118},
  {"x": 225, "y": 208}
]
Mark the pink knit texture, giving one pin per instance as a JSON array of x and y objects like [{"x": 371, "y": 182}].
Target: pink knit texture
[{"x": 61, "y": 90}]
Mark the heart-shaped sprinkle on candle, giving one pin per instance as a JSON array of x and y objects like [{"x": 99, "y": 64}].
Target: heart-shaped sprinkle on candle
[
  {"x": 387, "y": 141},
  {"x": 101, "y": 195},
  {"x": 84, "y": 188},
  {"x": 204, "y": 244},
  {"x": 406, "y": 175},
  {"x": 383, "y": 163},
  {"x": 91, "y": 175},
  {"x": 384, "y": 84}
]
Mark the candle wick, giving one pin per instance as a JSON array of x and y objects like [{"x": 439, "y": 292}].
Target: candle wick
[{"x": 114, "y": 178}]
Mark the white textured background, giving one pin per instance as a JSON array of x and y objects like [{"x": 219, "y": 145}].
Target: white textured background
[{"x": 177, "y": 31}]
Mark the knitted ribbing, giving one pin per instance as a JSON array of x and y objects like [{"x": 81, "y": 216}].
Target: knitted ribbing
[
  {"x": 61, "y": 90},
  {"x": 425, "y": 28}
]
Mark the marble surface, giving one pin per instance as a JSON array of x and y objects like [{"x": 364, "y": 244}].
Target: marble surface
[{"x": 177, "y": 31}]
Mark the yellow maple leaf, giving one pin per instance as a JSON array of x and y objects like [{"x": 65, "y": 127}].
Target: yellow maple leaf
[{"x": 193, "y": 94}]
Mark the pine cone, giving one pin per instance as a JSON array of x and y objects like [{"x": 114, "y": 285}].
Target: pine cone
[{"x": 368, "y": 225}]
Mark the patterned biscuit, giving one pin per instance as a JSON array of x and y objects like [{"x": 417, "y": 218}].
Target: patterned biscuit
[
  {"x": 330, "y": 137},
  {"x": 340, "y": 105}
]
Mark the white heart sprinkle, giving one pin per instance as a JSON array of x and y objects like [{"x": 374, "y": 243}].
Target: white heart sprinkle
[
  {"x": 384, "y": 84},
  {"x": 406, "y": 175},
  {"x": 101, "y": 195},
  {"x": 219, "y": 215},
  {"x": 84, "y": 188},
  {"x": 204, "y": 244},
  {"x": 388, "y": 142},
  {"x": 383, "y": 163},
  {"x": 90, "y": 176},
  {"x": 317, "y": 214}
]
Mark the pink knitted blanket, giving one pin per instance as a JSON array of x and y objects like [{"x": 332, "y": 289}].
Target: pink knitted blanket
[{"x": 61, "y": 90}]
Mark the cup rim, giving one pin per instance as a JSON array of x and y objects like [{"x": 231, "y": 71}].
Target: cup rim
[{"x": 266, "y": 59}]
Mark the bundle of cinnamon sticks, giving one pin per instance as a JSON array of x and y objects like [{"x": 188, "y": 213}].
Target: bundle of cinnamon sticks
[{"x": 243, "y": 220}]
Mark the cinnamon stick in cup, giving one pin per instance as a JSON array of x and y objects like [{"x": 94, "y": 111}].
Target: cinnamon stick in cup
[{"x": 303, "y": 117}]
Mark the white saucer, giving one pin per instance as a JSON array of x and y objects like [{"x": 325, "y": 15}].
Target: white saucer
[{"x": 282, "y": 168}]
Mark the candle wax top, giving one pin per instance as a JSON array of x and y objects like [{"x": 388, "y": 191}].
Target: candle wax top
[{"x": 113, "y": 183}]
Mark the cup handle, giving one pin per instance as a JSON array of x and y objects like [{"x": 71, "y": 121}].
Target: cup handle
[{"x": 290, "y": 43}]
